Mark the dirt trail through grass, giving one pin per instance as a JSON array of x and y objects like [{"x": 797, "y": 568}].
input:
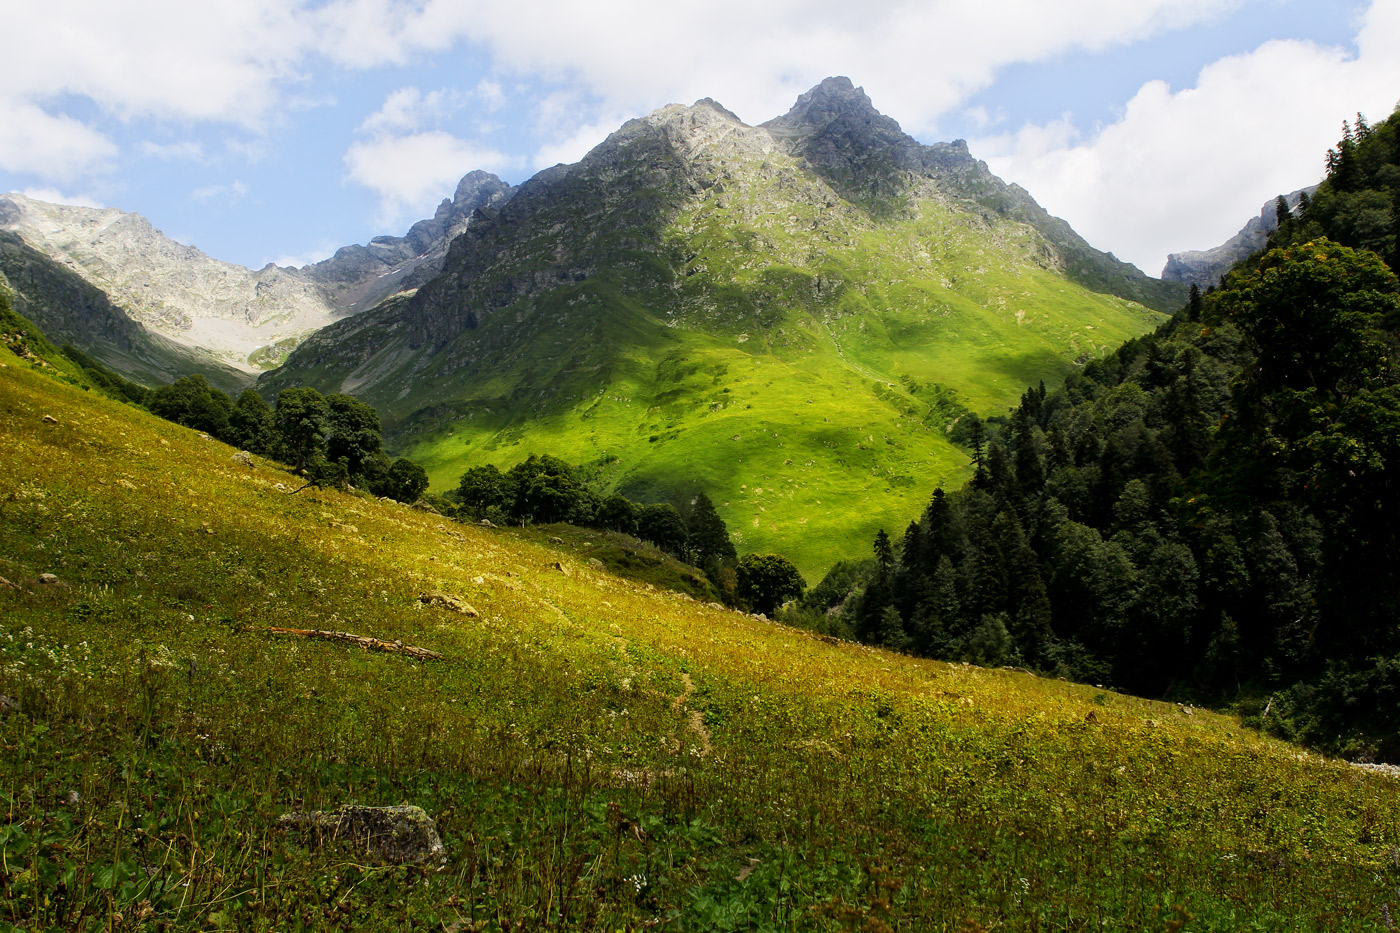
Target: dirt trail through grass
[{"x": 694, "y": 718}]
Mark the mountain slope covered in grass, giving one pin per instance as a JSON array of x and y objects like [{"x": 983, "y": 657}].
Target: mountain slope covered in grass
[
  {"x": 598, "y": 755},
  {"x": 789, "y": 317}
]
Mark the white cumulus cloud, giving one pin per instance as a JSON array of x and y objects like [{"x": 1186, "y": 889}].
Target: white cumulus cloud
[
  {"x": 58, "y": 148},
  {"x": 54, "y": 196},
  {"x": 233, "y": 191},
  {"x": 918, "y": 60},
  {"x": 410, "y": 173},
  {"x": 1184, "y": 169}
]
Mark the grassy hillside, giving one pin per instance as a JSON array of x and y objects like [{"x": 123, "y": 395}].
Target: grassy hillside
[{"x": 598, "y": 755}]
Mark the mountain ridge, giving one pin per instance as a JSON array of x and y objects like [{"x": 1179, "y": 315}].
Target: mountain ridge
[
  {"x": 199, "y": 308},
  {"x": 1205, "y": 267}
]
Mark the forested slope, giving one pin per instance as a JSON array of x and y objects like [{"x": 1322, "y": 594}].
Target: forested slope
[{"x": 1211, "y": 511}]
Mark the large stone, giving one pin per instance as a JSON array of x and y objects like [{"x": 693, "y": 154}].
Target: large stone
[
  {"x": 402, "y": 835},
  {"x": 449, "y": 602}
]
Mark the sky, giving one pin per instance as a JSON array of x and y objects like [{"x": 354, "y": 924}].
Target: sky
[{"x": 278, "y": 130}]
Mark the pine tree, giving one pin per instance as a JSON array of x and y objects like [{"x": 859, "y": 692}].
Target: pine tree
[
  {"x": 709, "y": 543},
  {"x": 1284, "y": 216}
]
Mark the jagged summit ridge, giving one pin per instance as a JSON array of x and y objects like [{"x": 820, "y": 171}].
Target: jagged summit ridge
[
  {"x": 243, "y": 318},
  {"x": 173, "y": 289},
  {"x": 360, "y": 276}
]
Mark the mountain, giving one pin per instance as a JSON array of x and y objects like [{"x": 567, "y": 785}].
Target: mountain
[
  {"x": 360, "y": 277},
  {"x": 71, "y": 310},
  {"x": 1204, "y": 268},
  {"x": 198, "y": 308},
  {"x": 245, "y": 319},
  {"x": 789, "y": 316}
]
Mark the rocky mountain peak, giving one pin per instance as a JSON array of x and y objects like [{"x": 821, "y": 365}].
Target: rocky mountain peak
[
  {"x": 833, "y": 99},
  {"x": 1205, "y": 267},
  {"x": 862, "y": 153},
  {"x": 359, "y": 277}
]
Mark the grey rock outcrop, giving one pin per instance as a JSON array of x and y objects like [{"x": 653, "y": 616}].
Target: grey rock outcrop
[
  {"x": 237, "y": 317},
  {"x": 832, "y": 155},
  {"x": 69, "y": 309},
  {"x": 1204, "y": 268},
  {"x": 403, "y": 835}
]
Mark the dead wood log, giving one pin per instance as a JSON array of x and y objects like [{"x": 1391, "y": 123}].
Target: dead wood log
[{"x": 365, "y": 642}]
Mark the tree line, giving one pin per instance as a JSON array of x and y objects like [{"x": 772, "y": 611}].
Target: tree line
[
  {"x": 332, "y": 440},
  {"x": 1210, "y": 513},
  {"x": 543, "y": 489}
]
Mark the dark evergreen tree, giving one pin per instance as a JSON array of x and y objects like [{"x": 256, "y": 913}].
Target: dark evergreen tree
[
  {"x": 486, "y": 493},
  {"x": 407, "y": 480},
  {"x": 618, "y": 513},
  {"x": 352, "y": 433},
  {"x": 1194, "y": 304},
  {"x": 545, "y": 489},
  {"x": 251, "y": 424},
  {"x": 194, "y": 403},
  {"x": 303, "y": 420},
  {"x": 663, "y": 526},
  {"x": 708, "y": 538}
]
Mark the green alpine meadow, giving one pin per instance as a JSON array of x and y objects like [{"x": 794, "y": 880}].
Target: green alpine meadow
[{"x": 596, "y": 753}]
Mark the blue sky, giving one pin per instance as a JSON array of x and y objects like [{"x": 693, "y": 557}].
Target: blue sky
[{"x": 267, "y": 130}]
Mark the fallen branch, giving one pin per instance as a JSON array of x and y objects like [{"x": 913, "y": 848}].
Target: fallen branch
[{"x": 369, "y": 644}]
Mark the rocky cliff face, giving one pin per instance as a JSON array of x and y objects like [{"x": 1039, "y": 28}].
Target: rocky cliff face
[
  {"x": 832, "y": 156},
  {"x": 1204, "y": 268},
  {"x": 359, "y": 277},
  {"x": 71, "y": 310}
]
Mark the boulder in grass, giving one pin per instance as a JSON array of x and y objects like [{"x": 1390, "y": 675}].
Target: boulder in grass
[
  {"x": 402, "y": 835},
  {"x": 449, "y": 602}
]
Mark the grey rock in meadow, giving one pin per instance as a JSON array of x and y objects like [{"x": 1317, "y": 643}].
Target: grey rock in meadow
[
  {"x": 449, "y": 602},
  {"x": 402, "y": 835}
]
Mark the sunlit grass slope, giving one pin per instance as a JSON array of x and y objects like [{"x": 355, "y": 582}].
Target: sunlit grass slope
[{"x": 599, "y": 755}]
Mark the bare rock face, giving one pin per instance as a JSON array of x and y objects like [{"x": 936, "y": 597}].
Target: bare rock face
[
  {"x": 1204, "y": 267},
  {"x": 402, "y": 835},
  {"x": 248, "y": 319},
  {"x": 359, "y": 277},
  {"x": 244, "y": 318}
]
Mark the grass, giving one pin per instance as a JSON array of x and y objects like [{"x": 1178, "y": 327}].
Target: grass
[{"x": 157, "y": 731}]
